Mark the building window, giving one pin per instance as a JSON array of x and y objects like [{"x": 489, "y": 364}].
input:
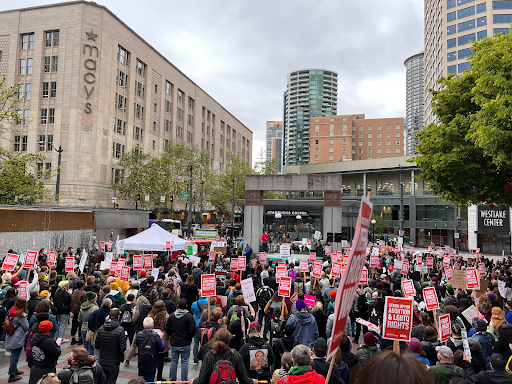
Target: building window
[
  {"x": 451, "y": 16},
  {"x": 397, "y": 142},
  {"x": 330, "y": 157},
  {"x": 378, "y": 142},
  {"x": 397, "y": 150},
  {"x": 28, "y": 91},
  {"x": 141, "y": 68},
  {"x": 397, "y": 134},
  {"x": 378, "y": 135},
  {"x": 465, "y": 12},
  {"x": 388, "y": 134},
  {"x": 53, "y": 89},
  {"x": 23, "y": 68},
  {"x": 451, "y": 43},
  {"x": 378, "y": 150},
  {"x": 360, "y": 135},
  {"x": 42, "y": 143},
  {"x": 481, "y": 34},
  {"x": 49, "y": 144},
  {"x": 481, "y": 8},
  {"x": 462, "y": 67},
  {"x": 331, "y": 149},
  {"x": 451, "y": 29},
  {"x": 344, "y": 141},
  {"x": 154, "y": 125},
  {"x": 316, "y": 157},
  {"x": 26, "y": 116},
  {"x": 481, "y": 21},
  {"x": 360, "y": 150},
  {"x": 465, "y": 26},
  {"x": 55, "y": 63},
  {"x": 369, "y": 127},
  {"x": 44, "y": 116},
  {"x": 370, "y": 150},
  {"x": 388, "y": 142},
  {"x": 47, "y": 64},
  {"x": 463, "y": 53},
  {"x": 369, "y": 135},
  {"x": 369, "y": 143},
  {"x": 316, "y": 149},
  {"x": 378, "y": 127},
  {"x": 452, "y": 69},
  {"x": 123, "y": 55},
  {"x": 27, "y": 41},
  {"x": 46, "y": 90},
  {"x": 397, "y": 126},
  {"x": 344, "y": 149},
  {"x": 168, "y": 89},
  {"x": 51, "y": 116},
  {"x": 360, "y": 143},
  {"x": 388, "y": 150},
  {"x": 504, "y": 31},
  {"x": 461, "y": 40},
  {"x": 502, "y": 19},
  {"x": 52, "y": 38}
]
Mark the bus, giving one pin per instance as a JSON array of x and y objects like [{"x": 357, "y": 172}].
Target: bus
[{"x": 169, "y": 224}]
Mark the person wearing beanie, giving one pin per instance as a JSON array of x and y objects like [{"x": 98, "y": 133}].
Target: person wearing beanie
[
  {"x": 45, "y": 352},
  {"x": 369, "y": 349},
  {"x": 485, "y": 339},
  {"x": 415, "y": 348},
  {"x": 77, "y": 298},
  {"x": 62, "y": 302},
  {"x": 284, "y": 344},
  {"x": 44, "y": 294},
  {"x": 376, "y": 307},
  {"x": 306, "y": 329},
  {"x": 320, "y": 365},
  {"x": 86, "y": 309}
]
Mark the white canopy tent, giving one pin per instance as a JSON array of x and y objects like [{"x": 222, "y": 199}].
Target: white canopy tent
[{"x": 153, "y": 239}]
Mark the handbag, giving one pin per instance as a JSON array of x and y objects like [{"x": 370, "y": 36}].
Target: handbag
[{"x": 89, "y": 335}]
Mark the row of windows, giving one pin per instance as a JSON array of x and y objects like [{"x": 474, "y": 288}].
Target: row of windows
[
  {"x": 51, "y": 39},
  {"x": 463, "y": 53},
  {"x": 502, "y": 4},
  {"x": 50, "y": 65},
  {"x": 453, "y": 3},
  {"x": 462, "y": 67},
  {"x": 502, "y": 19},
  {"x": 44, "y": 144}
]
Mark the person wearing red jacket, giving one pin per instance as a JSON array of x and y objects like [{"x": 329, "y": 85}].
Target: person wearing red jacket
[{"x": 301, "y": 372}]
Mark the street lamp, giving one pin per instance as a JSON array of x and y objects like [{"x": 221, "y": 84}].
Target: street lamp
[
  {"x": 373, "y": 224},
  {"x": 277, "y": 216},
  {"x": 201, "y": 208},
  {"x": 57, "y": 184}
]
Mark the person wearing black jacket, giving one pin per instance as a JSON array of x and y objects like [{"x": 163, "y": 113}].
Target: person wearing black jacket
[
  {"x": 284, "y": 344},
  {"x": 111, "y": 341},
  {"x": 181, "y": 328},
  {"x": 505, "y": 338},
  {"x": 62, "y": 301},
  {"x": 320, "y": 365},
  {"x": 32, "y": 302},
  {"x": 79, "y": 359},
  {"x": 258, "y": 356},
  {"x": 128, "y": 327},
  {"x": 170, "y": 305},
  {"x": 45, "y": 352},
  {"x": 348, "y": 357},
  {"x": 496, "y": 375}
]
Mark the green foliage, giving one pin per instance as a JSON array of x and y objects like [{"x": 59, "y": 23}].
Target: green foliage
[
  {"x": 17, "y": 184},
  {"x": 466, "y": 156},
  {"x": 8, "y": 105},
  {"x": 379, "y": 223}
]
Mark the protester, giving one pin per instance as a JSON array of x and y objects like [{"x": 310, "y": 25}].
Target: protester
[
  {"x": 82, "y": 366},
  {"x": 77, "y": 299},
  {"x": 445, "y": 370},
  {"x": 159, "y": 315},
  {"x": 496, "y": 375},
  {"x": 485, "y": 339},
  {"x": 45, "y": 352},
  {"x": 306, "y": 330},
  {"x": 320, "y": 365},
  {"x": 369, "y": 349},
  {"x": 257, "y": 355},
  {"x": 286, "y": 364},
  {"x": 150, "y": 345},
  {"x": 301, "y": 372},
  {"x": 62, "y": 301},
  {"x": 142, "y": 310},
  {"x": 17, "y": 316}
]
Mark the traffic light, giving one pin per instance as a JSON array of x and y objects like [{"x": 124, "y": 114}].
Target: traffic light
[
  {"x": 138, "y": 197},
  {"x": 117, "y": 206},
  {"x": 460, "y": 241},
  {"x": 171, "y": 199}
]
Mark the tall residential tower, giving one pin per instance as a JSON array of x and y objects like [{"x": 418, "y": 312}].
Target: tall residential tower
[
  {"x": 413, "y": 101},
  {"x": 275, "y": 143},
  {"x": 309, "y": 93}
]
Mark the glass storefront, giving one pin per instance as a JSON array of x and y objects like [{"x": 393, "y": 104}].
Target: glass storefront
[
  {"x": 303, "y": 228},
  {"x": 493, "y": 243}
]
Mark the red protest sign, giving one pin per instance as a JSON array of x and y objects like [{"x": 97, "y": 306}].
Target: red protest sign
[
  {"x": 446, "y": 260},
  {"x": 120, "y": 265},
  {"x": 481, "y": 269},
  {"x": 327, "y": 249},
  {"x": 456, "y": 266},
  {"x": 212, "y": 255},
  {"x": 397, "y": 318},
  {"x": 444, "y": 327},
  {"x": 280, "y": 272},
  {"x": 52, "y": 257},
  {"x": 148, "y": 262},
  {"x": 70, "y": 264},
  {"x": 430, "y": 262},
  {"x": 102, "y": 246},
  {"x": 477, "y": 251},
  {"x": 405, "y": 267},
  {"x": 241, "y": 263},
  {"x": 345, "y": 259},
  {"x": 233, "y": 266},
  {"x": 137, "y": 262},
  {"x": 30, "y": 259},
  {"x": 336, "y": 269},
  {"x": 312, "y": 257},
  {"x": 317, "y": 269},
  {"x": 448, "y": 273},
  {"x": 304, "y": 267},
  {"x": 253, "y": 262},
  {"x": 336, "y": 257},
  {"x": 285, "y": 286},
  {"x": 109, "y": 246},
  {"x": 472, "y": 279},
  {"x": 430, "y": 296},
  {"x": 350, "y": 280},
  {"x": 364, "y": 277},
  {"x": 125, "y": 274},
  {"x": 294, "y": 298},
  {"x": 408, "y": 288},
  {"x": 263, "y": 257},
  {"x": 419, "y": 261},
  {"x": 429, "y": 249},
  {"x": 167, "y": 245},
  {"x": 113, "y": 268},
  {"x": 208, "y": 285},
  {"x": 10, "y": 262},
  {"x": 374, "y": 261},
  {"x": 22, "y": 290}
]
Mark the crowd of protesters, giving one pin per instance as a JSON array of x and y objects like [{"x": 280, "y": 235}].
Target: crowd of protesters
[{"x": 163, "y": 318}]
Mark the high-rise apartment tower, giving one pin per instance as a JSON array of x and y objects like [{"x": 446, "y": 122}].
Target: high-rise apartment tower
[
  {"x": 275, "y": 143},
  {"x": 413, "y": 101}
]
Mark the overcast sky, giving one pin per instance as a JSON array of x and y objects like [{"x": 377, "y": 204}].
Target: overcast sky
[{"x": 240, "y": 51}]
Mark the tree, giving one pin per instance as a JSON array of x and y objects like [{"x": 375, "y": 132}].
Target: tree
[
  {"x": 379, "y": 223},
  {"x": 8, "y": 105},
  {"x": 135, "y": 171},
  {"x": 466, "y": 156},
  {"x": 17, "y": 185}
]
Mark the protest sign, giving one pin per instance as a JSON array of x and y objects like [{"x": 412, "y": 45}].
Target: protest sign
[
  {"x": 125, "y": 274},
  {"x": 304, "y": 267},
  {"x": 336, "y": 258},
  {"x": 446, "y": 260},
  {"x": 70, "y": 264},
  {"x": 350, "y": 280},
  {"x": 120, "y": 247},
  {"x": 477, "y": 251},
  {"x": 397, "y": 264},
  {"x": 456, "y": 266},
  {"x": 120, "y": 265},
  {"x": 372, "y": 327},
  {"x": 336, "y": 269},
  {"x": 317, "y": 269},
  {"x": 241, "y": 263},
  {"x": 469, "y": 312},
  {"x": 52, "y": 258},
  {"x": 430, "y": 296},
  {"x": 419, "y": 260},
  {"x": 481, "y": 269},
  {"x": 30, "y": 259},
  {"x": 465, "y": 343},
  {"x": 312, "y": 257},
  {"x": 448, "y": 272},
  {"x": 211, "y": 256},
  {"x": 109, "y": 257},
  {"x": 109, "y": 246},
  {"x": 397, "y": 318},
  {"x": 309, "y": 300},
  {"x": 248, "y": 290},
  {"x": 327, "y": 250},
  {"x": 208, "y": 285},
  {"x": 263, "y": 257},
  {"x": 285, "y": 286},
  {"x": 22, "y": 290},
  {"x": 233, "y": 266},
  {"x": 429, "y": 249},
  {"x": 501, "y": 289},
  {"x": 137, "y": 262},
  {"x": 253, "y": 262},
  {"x": 430, "y": 262},
  {"x": 104, "y": 265},
  {"x": 294, "y": 298},
  {"x": 148, "y": 261},
  {"x": 364, "y": 277},
  {"x": 167, "y": 245},
  {"x": 444, "y": 327},
  {"x": 284, "y": 250},
  {"x": 405, "y": 267},
  {"x": 408, "y": 288},
  {"x": 374, "y": 261},
  {"x": 113, "y": 268},
  {"x": 458, "y": 279},
  {"x": 155, "y": 272},
  {"x": 102, "y": 246},
  {"x": 472, "y": 279},
  {"x": 280, "y": 272},
  {"x": 83, "y": 259},
  {"x": 10, "y": 262},
  {"x": 375, "y": 251}
]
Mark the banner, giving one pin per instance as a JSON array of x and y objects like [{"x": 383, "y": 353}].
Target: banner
[
  {"x": 336, "y": 269},
  {"x": 125, "y": 274},
  {"x": 317, "y": 269},
  {"x": 371, "y": 326},
  {"x": 397, "y": 318},
  {"x": 304, "y": 267},
  {"x": 137, "y": 262},
  {"x": 444, "y": 327},
  {"x": 208, "y": 285},
  {"x": 241, "y": 263},
  {"x": 285, "y": 286},
  {"x": 10, "y": 262},
  {"x": 449, "y": 273},
  {"x": 350, "y": 280},
  {"x": 430, "y": 262},
  {"x": 30, "y": 259},
  {"x": 148, "y": 262},
  {"x": 263, "y": 257},
  {"x": 472, "y": 279},
  {"x": 408, "y": 288},
  {"x": 430, "y": 297},
  {"x": 248, "y": 290},
  {"x": 364, "y": 277},
  {"x": 70, "y": 264}
]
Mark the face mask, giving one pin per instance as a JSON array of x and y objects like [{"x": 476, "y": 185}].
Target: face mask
[{"x": 70, "y": 361}]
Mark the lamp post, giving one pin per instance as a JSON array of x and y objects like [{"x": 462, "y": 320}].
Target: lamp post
[
  {"x": 57, "y": 184},
  {"x": 298, "y": 217},
  {"x": 189, "y": 230},
  {"x": 232, "y": 205},
  {"x": 277, "y": 216},
  {"x": 373, "y": 236},
  {"x": 201, "y": 204}
]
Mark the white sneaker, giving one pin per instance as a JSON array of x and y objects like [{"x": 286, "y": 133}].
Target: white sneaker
[
  {"x": 65, "y": 341},
  {"x": 7, "y": 353}
]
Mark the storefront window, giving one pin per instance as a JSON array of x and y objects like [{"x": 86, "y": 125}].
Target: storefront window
[{"x": 387, "y": 187}]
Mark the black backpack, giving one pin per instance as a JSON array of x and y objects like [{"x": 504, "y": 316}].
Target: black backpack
[
  {"x": 362, "y": 302},
  {"x": 126, "y": 317},
  {"x": 83, "y": 375},
  {"x": 264, "y": 297},
  {"x": 147, "y": 348}
]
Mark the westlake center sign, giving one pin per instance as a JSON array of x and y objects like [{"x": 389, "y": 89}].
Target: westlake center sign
[{"x": 493, "y": 220}]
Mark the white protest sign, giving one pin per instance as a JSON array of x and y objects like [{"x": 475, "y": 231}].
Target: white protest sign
[
  {"x": 284, "y": 250},
  {"x": 154, "y": 273},
  {"x": 120, "y": 247},
  {"x": 83, "y": 259},
  {"x": 465, "y": 343},
  {"x": 501, "y": 288},
  {"x": 248, "y": 290},
  {"x": 109, "y": 256}
]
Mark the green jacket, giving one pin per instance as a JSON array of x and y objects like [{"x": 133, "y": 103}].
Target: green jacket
[{"x": 444, "y": 372}]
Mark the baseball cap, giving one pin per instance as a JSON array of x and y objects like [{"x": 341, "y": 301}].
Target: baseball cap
[
  {"x": 444, "y": 351},
  {"x": 320, "y": 346}
]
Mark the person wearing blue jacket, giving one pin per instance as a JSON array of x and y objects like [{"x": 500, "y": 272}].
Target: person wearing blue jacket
[
  {"x": 148, "y": 371},
  {"x": 196, "y": 309},
  {"x": 306, "y": 329},
  {"x": 485, "y": 339}
]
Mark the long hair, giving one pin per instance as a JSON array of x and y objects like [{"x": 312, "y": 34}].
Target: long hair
[
  {"x": 158, "y": 313},
  {"x": 21, "y": 306},
  {"x": 220, "y": 341},
  {"x": 497, "y": 318}
]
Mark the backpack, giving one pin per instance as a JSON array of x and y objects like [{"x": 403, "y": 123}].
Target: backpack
[
  {"x": 362, "y": 302},
  {"x": 330, "y": 307},
  {"x": 223, "y": 373},
  {"x": 263, "y": 297},
  {"x": 275, "y": 329},
  {"x": 281, "y": 342},
  {"x": 9, "y": 327},
  {"x": 147, "y": 348},
  {"x": 292, "y": 274},
  {"x": 206, "y": 335},
  {"x": 83, "y": 375},
  {"x": 126, "y": 318},
  {"x": 28, "y": 347}
]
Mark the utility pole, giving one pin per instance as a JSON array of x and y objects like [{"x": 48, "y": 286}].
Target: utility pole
[
  {"x": 190, "y": 205},
  {"x": 115, "y": 184},
  {"x": 401, "y": 232},
  {"x": 233, "y": 206}
]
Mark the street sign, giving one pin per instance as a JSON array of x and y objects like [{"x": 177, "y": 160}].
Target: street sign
[
  {"x": 162, "y": 199},
  {"x": 185, "y": 195},
  {"x": 113, "y": 199},
  {"x": 146, "y": 198}
]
